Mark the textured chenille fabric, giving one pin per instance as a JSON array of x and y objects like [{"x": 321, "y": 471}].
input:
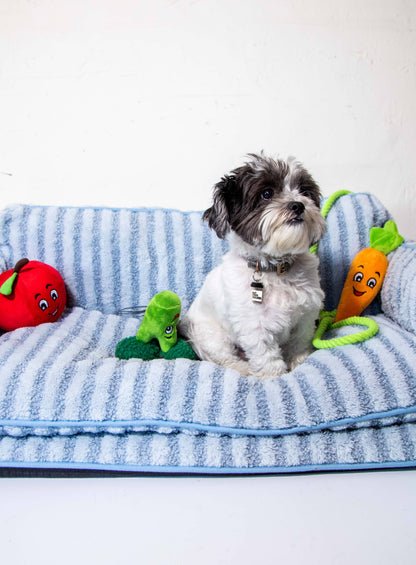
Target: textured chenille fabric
[{"x": 66, "y": 401}]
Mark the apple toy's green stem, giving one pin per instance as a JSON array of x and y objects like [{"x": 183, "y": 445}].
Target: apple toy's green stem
[{"x": 7, "y": 287}]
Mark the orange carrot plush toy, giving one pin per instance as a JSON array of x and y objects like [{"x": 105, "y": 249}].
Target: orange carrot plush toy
[
  {"x": 362, "y": 285},
  {"x": 367, "y": 271}
]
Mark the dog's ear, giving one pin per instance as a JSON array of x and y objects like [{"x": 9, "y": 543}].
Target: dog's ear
[
  {"x": 309, "y": 187},
  {"x": 218, "y": 216}
]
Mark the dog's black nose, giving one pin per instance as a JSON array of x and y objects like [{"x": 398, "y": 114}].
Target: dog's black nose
[{"x": 297, "y": 207}]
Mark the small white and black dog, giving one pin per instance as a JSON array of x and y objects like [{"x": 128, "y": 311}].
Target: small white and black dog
[{"x": 256, "y": 311}]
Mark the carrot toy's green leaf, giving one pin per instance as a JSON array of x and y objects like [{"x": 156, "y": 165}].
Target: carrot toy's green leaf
[{"x": 387, "y": 238}]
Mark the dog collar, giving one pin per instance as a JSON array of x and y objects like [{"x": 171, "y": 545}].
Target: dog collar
[{"x": 279, "y": 266}]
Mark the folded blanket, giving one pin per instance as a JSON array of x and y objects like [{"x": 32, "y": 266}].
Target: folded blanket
[{"x": 67, "y": 402}]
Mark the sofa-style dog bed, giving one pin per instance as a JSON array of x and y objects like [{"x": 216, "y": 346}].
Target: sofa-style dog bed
[{"x": 67, "y": 403}]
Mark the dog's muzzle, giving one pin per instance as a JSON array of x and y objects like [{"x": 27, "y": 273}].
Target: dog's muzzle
[{"x": 297, "y": 210}]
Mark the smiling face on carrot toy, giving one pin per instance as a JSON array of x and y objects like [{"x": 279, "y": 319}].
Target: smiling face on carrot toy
[
  {"x": 364, "y": 280},
  {"x": 367, "y": 272}
]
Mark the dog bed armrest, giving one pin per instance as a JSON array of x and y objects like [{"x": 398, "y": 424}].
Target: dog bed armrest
[{"x": 398, "y": 294}]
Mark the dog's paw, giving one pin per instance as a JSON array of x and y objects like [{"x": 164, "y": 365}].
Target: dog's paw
[
  {"x": 298, "y": 359},
  {"x": 240, "y": 366},
  {"x": 271, "y": 370}
]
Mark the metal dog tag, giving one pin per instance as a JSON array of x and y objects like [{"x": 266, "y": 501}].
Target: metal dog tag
[
  {"x": 257, "y": 292},
  {"x": 257, "y": 286}
]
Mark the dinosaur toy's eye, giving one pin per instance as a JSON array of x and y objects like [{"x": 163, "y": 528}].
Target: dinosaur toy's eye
[
  {"x": 372, "y": 282},
  {"x": 358, "y": 277},
  {"x": 169, "y": 330},
  {"x": 54, "y": 294},
  {"x": 43, "y": 304}
]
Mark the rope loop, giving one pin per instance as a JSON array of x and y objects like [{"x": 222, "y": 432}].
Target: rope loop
[{"x": 326, "y": 323}]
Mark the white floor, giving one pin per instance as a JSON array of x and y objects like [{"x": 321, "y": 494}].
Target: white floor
[{"x": 315, "y": 519}]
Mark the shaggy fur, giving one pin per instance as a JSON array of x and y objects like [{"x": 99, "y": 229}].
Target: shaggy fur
[{"x": 270, "y": 208}]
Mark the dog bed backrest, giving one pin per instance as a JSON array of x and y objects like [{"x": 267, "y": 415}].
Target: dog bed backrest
[{"x": 113, "y": 259}]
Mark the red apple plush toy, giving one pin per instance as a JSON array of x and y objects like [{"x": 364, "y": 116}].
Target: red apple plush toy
[{"x": 32, "y": 293}]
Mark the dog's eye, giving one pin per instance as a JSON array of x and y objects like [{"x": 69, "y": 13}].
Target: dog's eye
[{"x": 267, "y": 194}]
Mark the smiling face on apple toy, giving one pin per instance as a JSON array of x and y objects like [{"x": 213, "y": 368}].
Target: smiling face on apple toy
[{"x": 36, "y": 295}]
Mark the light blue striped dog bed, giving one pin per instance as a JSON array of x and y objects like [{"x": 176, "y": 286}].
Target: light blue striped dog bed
[{"x": 67, "y": 403}]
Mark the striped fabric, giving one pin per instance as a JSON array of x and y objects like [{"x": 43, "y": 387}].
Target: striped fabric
[
  {"x": 373, "y": 448},
  {"x": 113, "y": 259},
  {"x": 67, "y": 402},
  {"x": 399, "y": 288}
]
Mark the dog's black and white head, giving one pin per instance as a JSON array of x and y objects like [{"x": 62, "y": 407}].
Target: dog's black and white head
[{"x": 272, "y": 205}]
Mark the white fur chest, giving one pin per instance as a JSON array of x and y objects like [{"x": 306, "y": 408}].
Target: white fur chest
[{"x": 285, "y": 298}]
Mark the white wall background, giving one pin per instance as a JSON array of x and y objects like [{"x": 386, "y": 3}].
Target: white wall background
[{"x": 147, "y": 103}]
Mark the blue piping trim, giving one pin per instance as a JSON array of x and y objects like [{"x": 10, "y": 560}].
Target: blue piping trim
[
  {"x": 222, "y": 430},
  {"x": 333, "y": 467}
]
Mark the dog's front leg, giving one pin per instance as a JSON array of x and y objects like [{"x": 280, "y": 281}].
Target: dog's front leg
[
  {"x": 265, "y": 356},
  {"x": 212, "y": 342},
  {"x": 299, "y": 347}
]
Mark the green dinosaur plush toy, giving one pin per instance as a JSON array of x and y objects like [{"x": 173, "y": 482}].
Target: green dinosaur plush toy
[
  {"x": 160, "y": 320},
  {"x": 157, "y": 335}
]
